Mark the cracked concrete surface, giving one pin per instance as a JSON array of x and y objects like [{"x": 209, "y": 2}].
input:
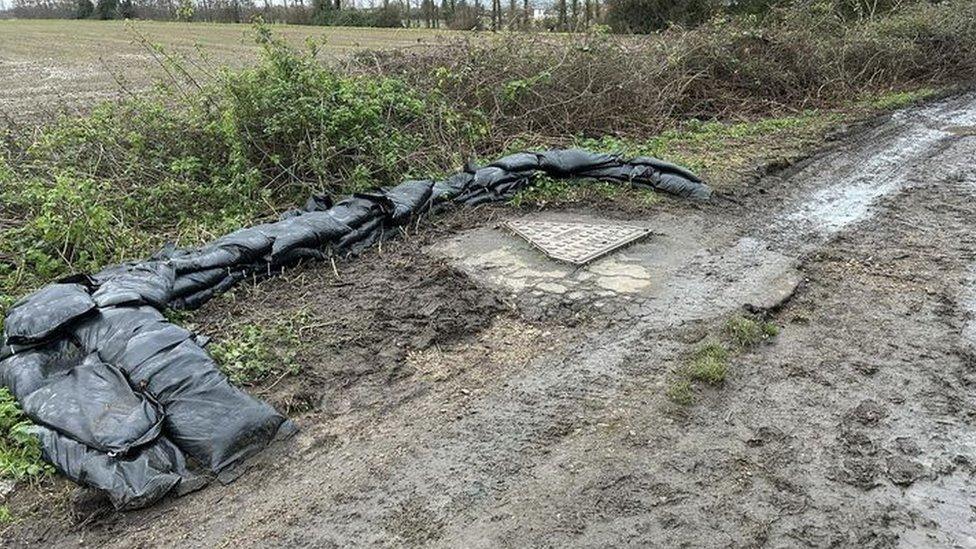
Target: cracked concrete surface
[{"x": 677, "y": 270}]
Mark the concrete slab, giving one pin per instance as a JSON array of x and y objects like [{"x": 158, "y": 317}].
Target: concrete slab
[{"x": 676, "y": 271}]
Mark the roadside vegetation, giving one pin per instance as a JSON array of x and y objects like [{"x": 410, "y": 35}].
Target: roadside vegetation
[
  {"x": 251, "y": 353},
  {"x": 194, "y": 158},
  {"x": 198, "y": 156},
  {"x": 20, "y": 452}
]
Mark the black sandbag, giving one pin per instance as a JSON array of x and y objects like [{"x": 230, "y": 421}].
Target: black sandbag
[
  {"x": 192, "y": 282},
  {"x": 518, "y": 162},
  {"x": 491, "y": 177},
  {"x": 198, "y": 298},
  {"x": 679, "y": 186},
  {"x": 243, "y": 245},
  {"x": 207, "y": 417},
  {"x": 312, "y": 229},
  {"x": 493, "y": 185},
  {"x": 93, "y": 404},
  {"x": 292, "y": 231},
  {"x": 666, "y": 167},
  {"x": 410, "y": 200},
  {"x": 26, "y": 371},
  {"x": 621, "y": 173},
  {"x": 451, "y": 187},
  {"x": 298, "y": 254},
  {"x": 358, "y": 209},
  {"x": 130, "y": 482},
  {"x": 135, "y": 284},
  {"x": 359, "y": 239},
  {"x": 572, "y": 161},
  {"x": 42, "y": 314},
  {"x": 210, "y": 419}
]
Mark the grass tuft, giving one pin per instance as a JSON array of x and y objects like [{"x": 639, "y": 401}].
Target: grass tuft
[
  {"x": 680, "y": 392},
  {"x": 745, "y": 332},
  {"x": 709, "y": 364}
]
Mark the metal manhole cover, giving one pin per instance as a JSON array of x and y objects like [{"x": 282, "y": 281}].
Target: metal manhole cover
[{"x": 576, "y": 242}]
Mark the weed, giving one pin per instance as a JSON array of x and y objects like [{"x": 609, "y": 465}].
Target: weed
[
  {"x": 709, "y": 364},
  {"x": 20, "y": 451},
  {"x": 747, "y": 332},
  {"x": 251, "y": 353},
  {"x": 679, "y": 391},
  {"x": 5, "y": 516},
  {"x": 545, "y": 190},
  {"x": 897, "y": 99}
]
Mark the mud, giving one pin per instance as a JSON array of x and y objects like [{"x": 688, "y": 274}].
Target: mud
[{"x": 520, "y": 403}]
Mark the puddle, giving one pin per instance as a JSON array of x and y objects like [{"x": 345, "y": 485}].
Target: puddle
[
  {"x": 849, "y": 200},
  {"x": 673, "y": 276},
  {"x": 947, "y": 504},
  {"x": 892, "y": 159}
]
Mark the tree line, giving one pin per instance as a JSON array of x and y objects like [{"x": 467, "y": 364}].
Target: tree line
[{"x": 633, "y": 16}]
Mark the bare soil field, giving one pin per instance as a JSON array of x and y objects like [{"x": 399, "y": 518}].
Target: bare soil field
[
  {"x": 49, "y": 66},
  {"x": 457, "y": 389}
]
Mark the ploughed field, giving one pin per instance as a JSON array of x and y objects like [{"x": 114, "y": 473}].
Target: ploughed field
[{"x": 48, "y": 66}]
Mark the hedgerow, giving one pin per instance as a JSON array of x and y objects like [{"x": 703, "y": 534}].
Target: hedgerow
[{"x": 596, "y": 84}]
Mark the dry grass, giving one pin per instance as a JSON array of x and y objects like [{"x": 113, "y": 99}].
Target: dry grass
[{"x": 595, "y": 85}]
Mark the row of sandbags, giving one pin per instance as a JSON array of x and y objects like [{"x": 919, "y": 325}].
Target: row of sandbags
[{"x": 121, "y": 396}]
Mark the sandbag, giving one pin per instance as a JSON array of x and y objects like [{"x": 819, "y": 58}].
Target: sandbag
[
  {"x": 129, "y": 482},
  {"x": 216, "y": 423},
  {"x": 42, "y": 314},
  {"x": 149, "y": 283},
  {"x": 93, "y": 404}
]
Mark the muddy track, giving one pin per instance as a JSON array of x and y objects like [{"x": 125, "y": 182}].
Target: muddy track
[{"x": 528, "y": 406}]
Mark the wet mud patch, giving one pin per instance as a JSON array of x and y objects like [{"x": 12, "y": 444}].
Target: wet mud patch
[
  {"x": 353, "y": 325},
  {"x": 871, "y": 354}
]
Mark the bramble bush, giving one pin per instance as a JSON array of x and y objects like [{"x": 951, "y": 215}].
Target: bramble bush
[{"x": 801, "y": 57}]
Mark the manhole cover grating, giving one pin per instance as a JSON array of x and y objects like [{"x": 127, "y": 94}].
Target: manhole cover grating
[{"x": 576, "y": 242}]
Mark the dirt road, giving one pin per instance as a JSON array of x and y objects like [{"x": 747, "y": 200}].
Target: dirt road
[{"x": 467, "y": 393}]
